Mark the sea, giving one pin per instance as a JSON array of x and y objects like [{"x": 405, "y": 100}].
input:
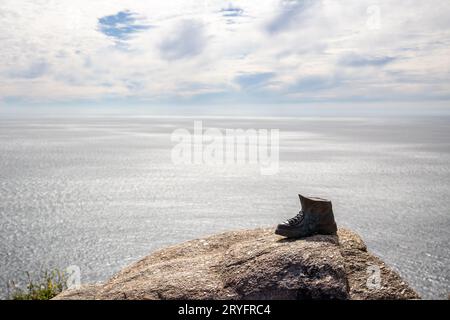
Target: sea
[{"x": 102, "y": 191}]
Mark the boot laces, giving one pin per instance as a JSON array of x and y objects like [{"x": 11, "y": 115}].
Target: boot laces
[{"x": 297, "y": 219}]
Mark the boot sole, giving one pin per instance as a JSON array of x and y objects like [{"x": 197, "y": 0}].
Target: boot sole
[
  {"x": 291, "y": 233},
  {"x": 296, "y": 234}
]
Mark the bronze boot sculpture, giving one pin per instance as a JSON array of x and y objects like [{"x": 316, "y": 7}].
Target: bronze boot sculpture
[{"x": 316, "y": 217}]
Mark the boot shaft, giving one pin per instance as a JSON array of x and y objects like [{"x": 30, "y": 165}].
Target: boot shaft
[
  {"x": 318, "y": 212},
  {"x": 316, "y": 205}
]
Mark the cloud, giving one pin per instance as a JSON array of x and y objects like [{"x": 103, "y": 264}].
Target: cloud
[
  {"x": 313, "y": 83},
  {"x": 122, "y": 25},
  {"x": 35, "y": 70},
  {"x": 253, "y": 80},
  {"x": 354, "y": 60},
  {"x": 180, "y": 51},
  {"x": 232, "y": 14},
  {"x": 232, "y": 11},
  {"x": 186, "y": 40},
  {"x": 290, "y": 13}
]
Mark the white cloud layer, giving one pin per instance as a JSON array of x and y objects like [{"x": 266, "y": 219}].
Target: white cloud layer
[{"x": 220, "y": 51}]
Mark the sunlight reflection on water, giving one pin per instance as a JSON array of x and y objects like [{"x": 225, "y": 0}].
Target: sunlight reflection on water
[{"x": 102, "y": 192}]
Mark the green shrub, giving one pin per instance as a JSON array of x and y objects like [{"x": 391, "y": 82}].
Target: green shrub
[{"x": 44, "y": 287}]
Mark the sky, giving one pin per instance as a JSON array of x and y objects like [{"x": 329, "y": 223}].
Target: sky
[{"x": 139, "y": 52}]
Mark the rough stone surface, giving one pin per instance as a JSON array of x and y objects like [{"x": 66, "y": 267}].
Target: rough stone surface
[{"x": 253, "y": 264}]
